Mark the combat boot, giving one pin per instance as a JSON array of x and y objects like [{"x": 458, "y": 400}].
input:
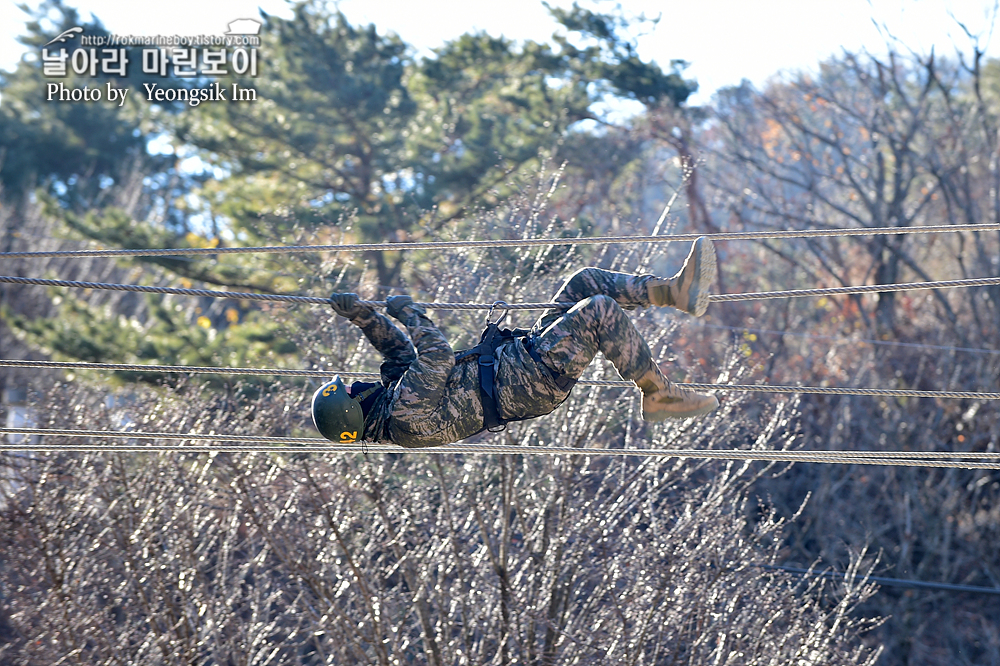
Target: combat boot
[
  {"x": 662, "y": 399},
  {"x": 689, "y": 289}
]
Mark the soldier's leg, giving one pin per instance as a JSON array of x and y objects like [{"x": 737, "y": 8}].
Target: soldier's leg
[
  {"x": 687, "y": 290},
  {"x": 629, "y": 291},
  {"x": 598, "y": 324}
]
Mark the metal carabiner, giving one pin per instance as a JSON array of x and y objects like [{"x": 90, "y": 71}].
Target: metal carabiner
[{"x": 496, "y": 304}]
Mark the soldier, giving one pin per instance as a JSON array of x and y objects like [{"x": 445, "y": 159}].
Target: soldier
[{"x": 431, "y": 396}]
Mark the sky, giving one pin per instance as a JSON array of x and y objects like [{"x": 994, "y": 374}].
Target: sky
[{"x": 724, "y": 40}]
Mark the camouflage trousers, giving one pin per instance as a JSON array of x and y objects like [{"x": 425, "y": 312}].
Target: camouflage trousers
[{"x": 568, "y": 339}]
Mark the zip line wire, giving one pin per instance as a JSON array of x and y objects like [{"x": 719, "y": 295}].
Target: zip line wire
[
  {"x": 862, "y": 289},
  {"x": 842, "y": 338},
  {"x": 318, "y": 300},
  {"x": 882, "y": 580},
  {"x": 754, "y": 388},
  {"x": 260, "y": 444},
  {"x": 519, "y": 242}
]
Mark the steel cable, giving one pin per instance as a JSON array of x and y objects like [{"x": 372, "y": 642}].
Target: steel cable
[
  {"x": 843, "y": 338},
  {"x": 317, "y": 300},
  {"x": 753, "y": 388},
  {"x": 882, "y": 580},
  {"x": 861, "y": 289},
  {"x": 516, "y": 242},
  {"x": 291, "y": 445}
]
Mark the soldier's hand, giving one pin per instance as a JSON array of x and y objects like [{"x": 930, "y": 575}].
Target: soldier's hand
[
  {"x": 402, "y": 306},
  {"x": 347, "y": 305}
]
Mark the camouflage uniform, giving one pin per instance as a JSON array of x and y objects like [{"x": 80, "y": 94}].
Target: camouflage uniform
[{"x": 432, "y": 400}]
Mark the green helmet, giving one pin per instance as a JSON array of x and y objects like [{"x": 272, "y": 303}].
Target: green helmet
[{"x": 337, "y": 415}]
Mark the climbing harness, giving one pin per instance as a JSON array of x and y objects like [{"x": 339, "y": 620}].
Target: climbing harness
[{"x": 485, "y": 352}]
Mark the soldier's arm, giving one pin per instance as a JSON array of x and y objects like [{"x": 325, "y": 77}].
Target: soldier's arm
[
  {"x": 382, "y": 333},
  {"x": 391, "y": 342},
  {"x": 418, "y": 406}
]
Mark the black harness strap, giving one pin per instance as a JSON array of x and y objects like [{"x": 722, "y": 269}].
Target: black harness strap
[
  {"x": 485, "y": 352},
  {"x": 493, "y": 337}
]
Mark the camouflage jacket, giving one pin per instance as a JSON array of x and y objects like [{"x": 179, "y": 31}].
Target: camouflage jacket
[{"x": 430, "y": 399}]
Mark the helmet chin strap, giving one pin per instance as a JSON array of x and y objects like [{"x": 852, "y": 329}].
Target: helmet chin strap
[{"x": 359, "y": 398}]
